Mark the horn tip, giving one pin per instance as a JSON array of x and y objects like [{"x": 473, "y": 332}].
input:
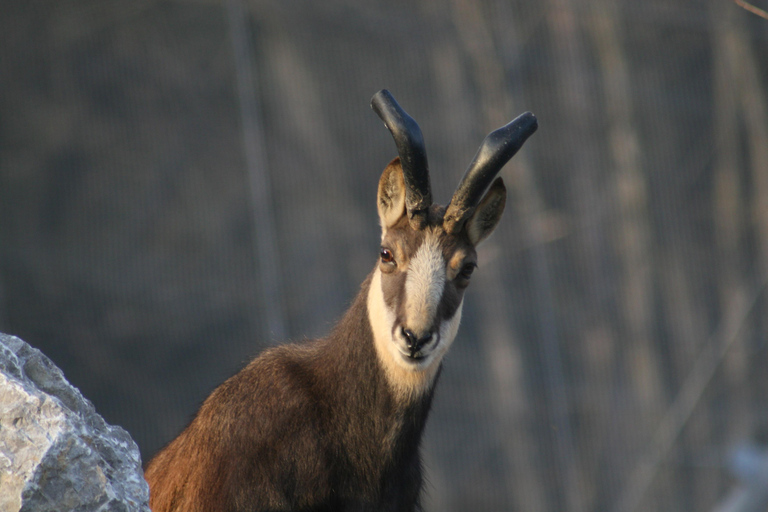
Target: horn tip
[
  {"x": 528, "y": 122},
  {"x": 382, "y": 95}
]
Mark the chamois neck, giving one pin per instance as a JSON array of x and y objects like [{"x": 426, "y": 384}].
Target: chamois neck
[
  {"x": 360, "y": 382},
  {"x": 352, "y": 345}
]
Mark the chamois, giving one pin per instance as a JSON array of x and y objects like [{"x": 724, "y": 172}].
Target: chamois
[{"x": 335, "y": 424}]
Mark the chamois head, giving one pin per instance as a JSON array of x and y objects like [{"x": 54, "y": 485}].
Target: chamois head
[{"x": 427, "y": 250}]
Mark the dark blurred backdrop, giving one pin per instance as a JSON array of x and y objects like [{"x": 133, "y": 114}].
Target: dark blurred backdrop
[{"x": 183, "y": 183}]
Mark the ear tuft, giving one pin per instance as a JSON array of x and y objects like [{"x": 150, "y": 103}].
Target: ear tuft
[
  {"x": 391, "y": 197},
  {"x": 488, "y": 213}
]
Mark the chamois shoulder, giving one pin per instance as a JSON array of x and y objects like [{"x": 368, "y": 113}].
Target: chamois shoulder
[{"x": 282, "y": 377}]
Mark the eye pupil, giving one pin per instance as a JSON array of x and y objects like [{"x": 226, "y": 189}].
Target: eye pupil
[
  {"x": 387, "y": 256},
  {"x": 466, "y": 270}
]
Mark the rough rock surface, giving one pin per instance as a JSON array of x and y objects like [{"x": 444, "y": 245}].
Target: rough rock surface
[{"x": 56, "y": 452}]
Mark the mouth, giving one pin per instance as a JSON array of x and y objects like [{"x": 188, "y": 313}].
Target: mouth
[{"x": 416, "y": 357}]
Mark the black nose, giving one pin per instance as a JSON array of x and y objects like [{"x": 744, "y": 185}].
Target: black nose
[{"x": 413, "y": 342}]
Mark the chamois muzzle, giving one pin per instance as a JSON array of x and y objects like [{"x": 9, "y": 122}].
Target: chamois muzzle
[
  {"x": 412, "y": 151},
  {"x": 495, "y": 151}
]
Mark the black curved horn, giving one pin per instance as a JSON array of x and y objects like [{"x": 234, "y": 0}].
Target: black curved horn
[
  {"x": 412, "y": 151},
  {"x": 495, "y": 151}
]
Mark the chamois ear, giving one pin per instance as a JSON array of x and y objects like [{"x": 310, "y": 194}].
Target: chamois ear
[
  {"x": 488, "y": 213},
  {"x": 391, "y": 197}
]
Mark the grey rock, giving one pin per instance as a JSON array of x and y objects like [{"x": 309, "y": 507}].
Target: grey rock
[{"x": 56, "y": 452}]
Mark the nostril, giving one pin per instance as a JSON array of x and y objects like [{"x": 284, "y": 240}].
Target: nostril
[
  {"x": 410, "y": 338},
  {"x": 423, "y": 341},
  {"x": 413, "y": 341}
]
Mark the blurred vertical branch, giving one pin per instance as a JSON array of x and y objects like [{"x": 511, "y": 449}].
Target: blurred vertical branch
[
  {"x": 730, "y": 215},
  {"x": 636, "y": 354},
  {"x": 580, "y": 113},
  {"x": 632, "y": 231},
  {"x": 265, "y": 236},
  {"x": 755, "y": 109}
]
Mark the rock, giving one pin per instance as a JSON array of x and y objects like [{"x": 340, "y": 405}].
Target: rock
[{"x": 56, "y": 452}]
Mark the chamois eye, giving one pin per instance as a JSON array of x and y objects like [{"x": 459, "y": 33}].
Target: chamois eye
[
  {"x": 387, "y": 256},
  {"x": 466, "y": 270}
]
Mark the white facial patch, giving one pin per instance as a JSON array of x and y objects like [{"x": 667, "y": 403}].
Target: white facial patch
[
  {"x": 410, "y": 378},
  {"x": 424, "y": 285}
]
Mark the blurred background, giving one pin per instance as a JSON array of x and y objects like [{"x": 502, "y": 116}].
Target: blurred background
[{"x": 186, "y": 182}]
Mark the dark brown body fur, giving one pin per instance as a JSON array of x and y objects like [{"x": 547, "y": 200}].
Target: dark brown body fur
[{"x": 310, "y": 427}]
